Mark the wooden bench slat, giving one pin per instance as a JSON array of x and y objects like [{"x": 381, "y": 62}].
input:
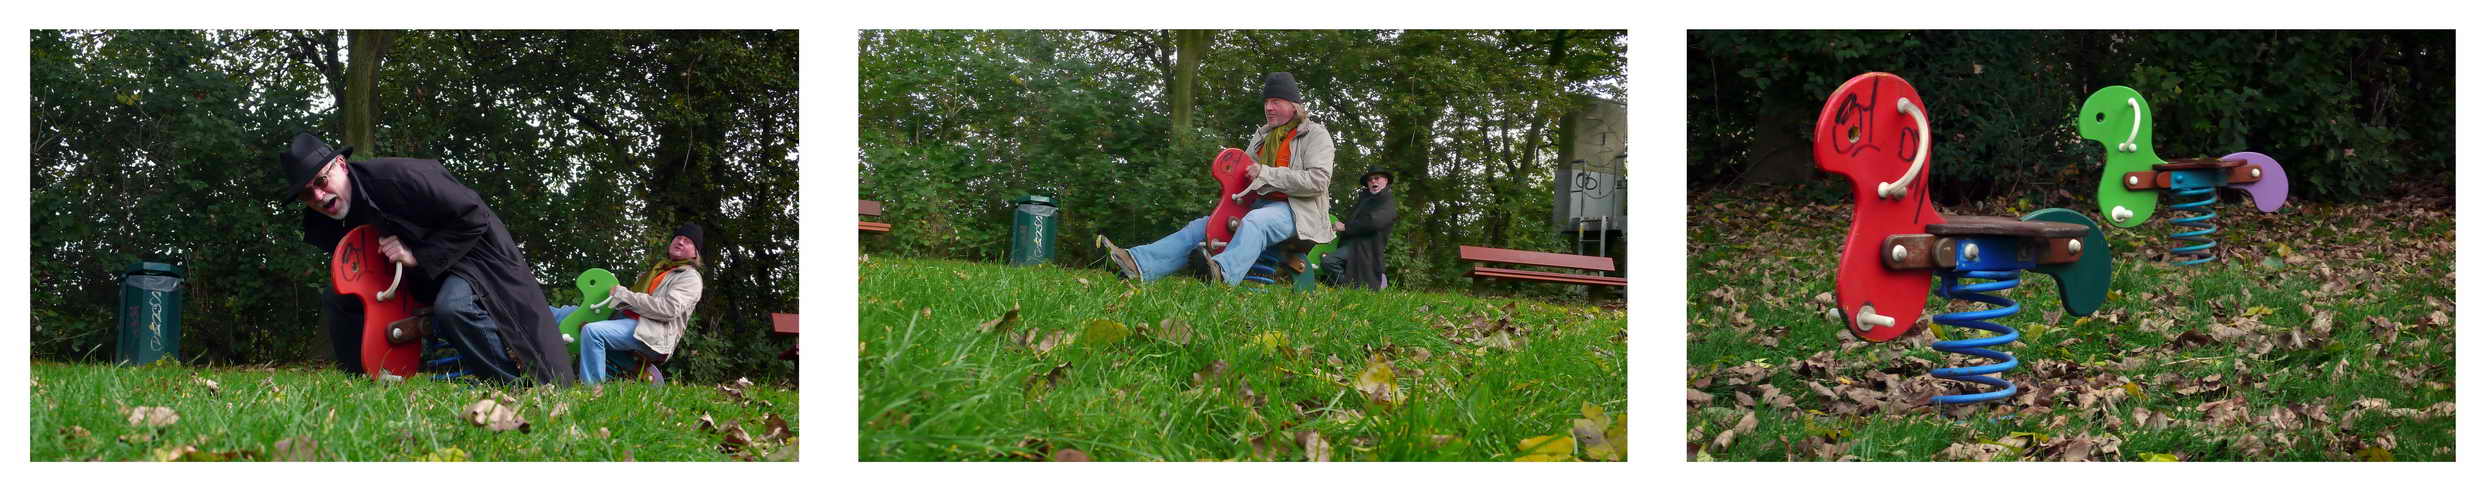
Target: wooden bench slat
[
  {"x": 871, "y": 208},
  {"x": 875, "y": 227},
  {"x": 1566, "y": 278},
  {"x": 789, "y": 324},
  {"x": 1535, "y": 258}
]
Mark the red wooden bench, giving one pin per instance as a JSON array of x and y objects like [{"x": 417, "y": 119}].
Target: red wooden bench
[
  {"x": 787, "y": 324},
  {"x": 872, "y": 208},
  {"x": 1480, "y": 255}
]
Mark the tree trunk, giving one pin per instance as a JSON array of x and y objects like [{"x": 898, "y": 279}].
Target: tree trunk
[
  {"x": 1189, "y": 46},
  {"x": 362, "y": 80}
]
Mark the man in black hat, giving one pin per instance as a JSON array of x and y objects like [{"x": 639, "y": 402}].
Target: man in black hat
[
  {"x": 1363, "y": 238},
  {"x": 1288, "y": 197},
  {"x": 461, "y": 259}
]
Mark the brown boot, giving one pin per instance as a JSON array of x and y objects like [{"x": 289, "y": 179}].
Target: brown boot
[
  {"x": 1123, "y": 264},
  {"x": 1216, "y": 274}
]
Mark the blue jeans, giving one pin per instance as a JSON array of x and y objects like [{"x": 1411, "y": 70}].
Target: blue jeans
[
  {"x": 604, "y": 345},
  {"x": 1268, "y": 222},
  {"x": 461, "y": 320}
]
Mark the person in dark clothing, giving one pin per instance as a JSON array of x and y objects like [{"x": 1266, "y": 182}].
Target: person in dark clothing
[
  {"x": 1363, "y": 238},
  {"x": 459, "y": 257}
]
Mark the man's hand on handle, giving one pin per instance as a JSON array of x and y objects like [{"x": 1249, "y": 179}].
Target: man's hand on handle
[{"x": 396, "y": 251}]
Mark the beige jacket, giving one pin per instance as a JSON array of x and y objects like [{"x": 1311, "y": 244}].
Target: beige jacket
[
  {"x": 664, "y": 314},
  {"x": 1304, "y": 180}
]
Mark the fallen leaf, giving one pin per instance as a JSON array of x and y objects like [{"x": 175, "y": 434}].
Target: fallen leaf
[
  {"x": 492, "y": 414},
  {"x": 1547, "y": 448},
  {"x": 1210, "y": 374},
  {"x": 1008, "y": 322},
  {"x": 791, "y": 451},
  {"x": 1314, "y": 448},
  {"x": 1037, "y": 383},
  {"x": 1175, "y": 331},
  {"x": 1102, "y": 332},
  {"x": 1972, "y": 452},
  {"x": 735, "y": 439},
  {"x": 1269, "y": 340},
  {"x": 1602, "y": 437},
  {"x": 446, "y": 454},
  {"x": 192, "y": 453},
  {"x": 153, "y": 416},
  {"x": 776, "y": 429},
  {"x": 1377, "y": 382},
  {"x": 1069, "y": 455},
  {"x": 297, "y": 448},
  {"x": 1049, "y": 342},
  {"x": 2374, "y": 454}
]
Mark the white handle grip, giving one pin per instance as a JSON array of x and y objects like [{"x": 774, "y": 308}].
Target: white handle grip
[
  {"x": 2136, "y": 121},
  {"x": 1866, "y": 317},
  {"x": 1924, "y": 143},
  {"x": 608, "y": 301},
  {"x": 392, "y": 283}
]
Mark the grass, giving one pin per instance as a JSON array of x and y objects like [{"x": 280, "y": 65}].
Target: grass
[
  {"x": 2324, "y": 334},
  {"x": 83, "y": 412},
  {"x": 1344, "y": 375}
]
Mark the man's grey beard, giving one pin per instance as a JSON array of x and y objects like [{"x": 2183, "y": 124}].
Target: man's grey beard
[{"x": 340, "y": 215}]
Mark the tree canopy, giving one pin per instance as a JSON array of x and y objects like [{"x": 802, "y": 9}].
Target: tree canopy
[{"x": 2348, "y": 113}]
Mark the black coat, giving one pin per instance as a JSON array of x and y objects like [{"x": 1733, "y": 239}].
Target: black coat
[
  {"x": 451, "y": 232},
  {"x": 1366, "y": 238}
]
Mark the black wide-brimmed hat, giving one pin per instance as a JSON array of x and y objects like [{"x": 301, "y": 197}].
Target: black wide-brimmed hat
[
  {"x": 1367, "y": 176},
  {"x": 303, "y": 161}
]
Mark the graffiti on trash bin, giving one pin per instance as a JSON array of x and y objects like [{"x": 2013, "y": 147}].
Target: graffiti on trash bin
[{"x": 155, "y": 321}]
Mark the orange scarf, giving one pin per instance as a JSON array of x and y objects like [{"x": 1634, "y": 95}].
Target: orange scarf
[
  {"x": 1283, "y": 146},
  {"x": 655, "y": 277}
]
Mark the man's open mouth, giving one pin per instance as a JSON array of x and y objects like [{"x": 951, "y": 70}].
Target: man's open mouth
[{"x": 329, "y": 206}]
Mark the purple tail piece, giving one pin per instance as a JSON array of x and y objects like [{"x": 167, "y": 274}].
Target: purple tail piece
[{"x": 2271, "y": 191}]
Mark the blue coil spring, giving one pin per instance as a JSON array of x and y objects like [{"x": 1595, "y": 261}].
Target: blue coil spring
[
  {"x": 1264, "y": 271},
  {"x": 450, "y": 362},
  {"x": 1951, "y": 289},
  {"x": 2199, "y": 251}
]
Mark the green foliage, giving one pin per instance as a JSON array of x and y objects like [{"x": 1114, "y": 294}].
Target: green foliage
[
  {"x": 590, "y": 145},
  {"x": 2338, "y": 108},
  {"x": 954, "y": 123}
]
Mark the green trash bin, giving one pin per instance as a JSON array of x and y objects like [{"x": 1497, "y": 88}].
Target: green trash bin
[
  {"x": 1032, "y": 229},
  {"x": 150, "y": 325}
]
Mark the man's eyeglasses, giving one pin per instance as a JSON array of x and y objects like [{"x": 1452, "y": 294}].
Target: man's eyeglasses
[{"x": 318, "y": 182}]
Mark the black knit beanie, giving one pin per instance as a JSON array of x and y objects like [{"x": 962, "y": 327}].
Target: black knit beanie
[{"x": 1281, "y": 86}]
